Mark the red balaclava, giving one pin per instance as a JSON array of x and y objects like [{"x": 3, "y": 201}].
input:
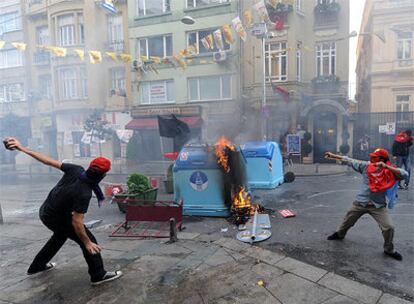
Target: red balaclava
[{"x": 379, "y": 179}]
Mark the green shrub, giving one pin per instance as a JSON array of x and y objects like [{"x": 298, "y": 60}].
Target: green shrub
[{"x": 138, "y": 183}]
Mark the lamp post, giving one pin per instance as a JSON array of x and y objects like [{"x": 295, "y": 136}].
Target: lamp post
[{"x": 260, "y": 31}]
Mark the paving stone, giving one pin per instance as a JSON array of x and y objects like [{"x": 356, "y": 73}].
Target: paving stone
[
  {"x": 233, "y": 244},
  {"x": 187, "y": 235},
  {"x": 218, "y": 258},
  {"x": 291, "y": 289},
  {"x": 389, "y": 299},
  {"x": 341, "y": 300},
  {"x": 352, "y": 289},
  {"x": 267, "y": 272},
  {"x": 303, "y": 270},
  {"x": 264, "y": 255}
]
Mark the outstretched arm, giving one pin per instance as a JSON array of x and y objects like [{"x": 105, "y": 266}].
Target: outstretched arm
[{"x": 14, "y": 144}]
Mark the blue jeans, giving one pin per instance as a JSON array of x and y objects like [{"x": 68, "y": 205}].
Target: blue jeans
[{"x": 404, "y": 162}]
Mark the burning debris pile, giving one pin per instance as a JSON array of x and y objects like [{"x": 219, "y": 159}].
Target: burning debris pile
[{"x": 232, "y": 161}]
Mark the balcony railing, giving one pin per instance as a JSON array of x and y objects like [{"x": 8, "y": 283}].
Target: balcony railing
[
  {"x": 117, "y": 46},
  {"x": 327, "y": 14},
  {"x": 41, "y": 57}
]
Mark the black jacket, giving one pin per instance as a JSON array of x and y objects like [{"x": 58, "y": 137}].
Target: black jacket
[{"x": 401, "y": 149}]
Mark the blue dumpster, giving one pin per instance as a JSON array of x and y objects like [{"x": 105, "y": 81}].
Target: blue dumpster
[
  {"x": 198, "y": 181},
  {"x": 264, "y": 164}
]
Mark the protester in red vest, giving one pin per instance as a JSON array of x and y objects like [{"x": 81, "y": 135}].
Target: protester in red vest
[
  {"x": 378, "y": 176},
  {"x": 401, "y": 152}
]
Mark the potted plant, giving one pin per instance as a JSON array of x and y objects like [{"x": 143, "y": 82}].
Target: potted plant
[
  {"x": 169, "y": 182},
  {"x": 138, "y": 188}
]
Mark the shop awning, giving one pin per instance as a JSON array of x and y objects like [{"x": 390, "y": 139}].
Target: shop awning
[{"x": 152, "y": 123}]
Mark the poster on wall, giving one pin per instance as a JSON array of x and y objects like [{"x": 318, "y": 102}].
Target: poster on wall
[
  {"x": 382, "y": 128},
  {"x": 390, "y": 128},
  {"x": 293, "y": 144}
]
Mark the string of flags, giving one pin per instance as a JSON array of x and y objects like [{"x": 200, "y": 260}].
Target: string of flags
[{"x": 218, "y": 39}]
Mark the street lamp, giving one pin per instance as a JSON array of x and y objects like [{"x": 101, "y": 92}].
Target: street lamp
[
  {"x": 260, "y": 31},
  {"x": 380, "y": 35},
  {"x": 188, "y": 20}
]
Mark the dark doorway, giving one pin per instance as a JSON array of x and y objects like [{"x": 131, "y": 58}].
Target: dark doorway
[{"x": 325, "y": 133}]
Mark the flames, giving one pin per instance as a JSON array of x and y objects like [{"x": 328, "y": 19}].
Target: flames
[
  {"x": 222, "y": 146},
  {"x": 243, "y": 200}
]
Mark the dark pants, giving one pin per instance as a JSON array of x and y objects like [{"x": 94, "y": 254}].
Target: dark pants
[
  {"x": 404, "y": 162},
  {"x": 62, "y": 232}
]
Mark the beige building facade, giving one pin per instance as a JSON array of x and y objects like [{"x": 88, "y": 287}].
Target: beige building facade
[
  {"x": 306, "y": 68},
  {"x": 15, "y": 109},
  {"x": 385, "y": 69},
  {"x": 65, "y": 91}
]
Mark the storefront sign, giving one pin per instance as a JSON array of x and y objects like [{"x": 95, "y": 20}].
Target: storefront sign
[{"x": 151, "y": 112}]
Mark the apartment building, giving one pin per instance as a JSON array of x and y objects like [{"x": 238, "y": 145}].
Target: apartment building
[
  {"x": 306, "y": 62},
  {"x": 201, "y": 87},
  {"x": 67, "y": 89}
]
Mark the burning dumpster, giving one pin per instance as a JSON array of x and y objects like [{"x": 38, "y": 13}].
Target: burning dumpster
[
  {"x": 264, "y": 164},
  {"x": 199, "y": 182}
]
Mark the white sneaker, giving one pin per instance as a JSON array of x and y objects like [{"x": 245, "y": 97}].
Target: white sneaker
[
  {"x": 109, "y": 276},
  {"x": 49, "y": 266}
]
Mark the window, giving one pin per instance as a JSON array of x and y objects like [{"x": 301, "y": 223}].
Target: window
[
  {"x": 299, "y": 5},
  {"x": 11, "y": 92},
  {"x": 325, "y": 1},
  {"x": 71, "y": 29},
  {"x": 45, "y": 84},
  {"x": 152, "y": 7},
  {"x": 276, "y": 61},
  {"x": 326, "y": 59},
  {"x": 66, "y": 24},
  {"x": 196, "y": 37},
  {"x": 299, "y": 61},
  {"x": 157, "y": 46},
  {"x": 42, "y": 35},
  {"x": 10, "y": 58},
  {"x": 403, "y": 107},
  {"x": 156, "y": 92},
  {"x": 118, "y": 79},
  {"x": 201, "y": 3},
  {"x": 73, "y": 83},
  {"x": 405, "y": 41},
  {"x": 10, "y": 22},
  {"x": 210, "y": 88},
  {"x": 115, "y": 32}
]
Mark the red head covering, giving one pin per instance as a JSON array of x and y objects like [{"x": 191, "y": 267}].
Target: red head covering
[
  {"x": 380, "y": 179},
  {"x": 402, "y": 137},
  {"x": 100, "y": 164}
]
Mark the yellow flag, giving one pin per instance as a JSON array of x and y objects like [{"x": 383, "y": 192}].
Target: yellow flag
[
  {"x": 228, "y": 34},
  {"x": 2, "y": 43},
  {"x": 180, "y": 61},
  {"x": 95, "y": 57},
  {"x": 80, "y": 53},
  {"x": 19, "y": 45},
  {"x": 125, "y": 57},
  {"x": 113, "y": 56},
  {"x": 247, "y": 18},
  {"x": 57, "y": 51}
]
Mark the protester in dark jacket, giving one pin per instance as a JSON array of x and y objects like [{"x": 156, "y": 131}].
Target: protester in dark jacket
[
  {"x": 63, "y": 213},
  {"x": 401, "y": 152}
]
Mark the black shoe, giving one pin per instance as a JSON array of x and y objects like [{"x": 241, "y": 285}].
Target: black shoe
[
  {"x": 394, "y": 255},
  {"x": 109, "y": 276},
  {"x": 49, "y": 266},
  {"x": 400, "y": 187},
  {"x": 335, "y": 236},
  {"x": 405, "y": 187}
]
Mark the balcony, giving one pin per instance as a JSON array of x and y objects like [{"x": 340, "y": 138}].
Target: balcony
[
  {"x": 41, "y": 58},
  {"x": 328, "y": 84},
  {"x": 116, "y": 46},
  {"x": 326, "y": 15}
]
